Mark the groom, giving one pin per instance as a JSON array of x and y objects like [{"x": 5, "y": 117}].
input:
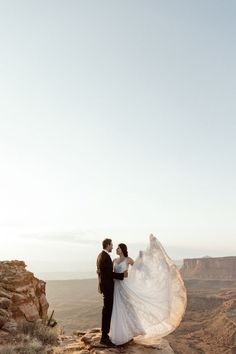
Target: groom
[{"x": 106, "y": 287}]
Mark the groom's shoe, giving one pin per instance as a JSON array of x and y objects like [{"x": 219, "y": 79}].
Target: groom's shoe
[{"x": 107, "y": 342}]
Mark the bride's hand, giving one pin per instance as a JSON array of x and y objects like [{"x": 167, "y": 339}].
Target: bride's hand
[{"x": 126, "y": 274}]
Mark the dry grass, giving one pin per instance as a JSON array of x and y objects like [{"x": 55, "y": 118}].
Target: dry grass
[
  {"x": 34, "y": 346},
  {"x": 7, "y": 349},
  {"x": 39, "y": 331},
  {"x": 33, "y": 338}
]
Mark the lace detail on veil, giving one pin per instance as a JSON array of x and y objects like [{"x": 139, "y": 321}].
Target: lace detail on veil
[{"x": 151, "y": 302}]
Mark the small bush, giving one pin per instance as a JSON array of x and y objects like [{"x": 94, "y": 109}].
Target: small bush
[
  {"x": 7, "y": 350},
  {"x": 46, "y": 335},
  {"x": 32, "y": 347},
  {"x": 39, "y": 331},
  {"x": 28, "y": 346},
  {"x": 27, "y": 328},
  {"x": 34, "y": 338}
]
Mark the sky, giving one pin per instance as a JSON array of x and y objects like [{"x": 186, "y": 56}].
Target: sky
[{"x": 117, "y": 119}]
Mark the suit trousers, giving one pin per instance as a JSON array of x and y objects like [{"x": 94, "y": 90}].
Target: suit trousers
[{"x": 107, "y": 312}]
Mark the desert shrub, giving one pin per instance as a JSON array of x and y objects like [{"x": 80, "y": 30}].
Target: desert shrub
[
  {"x": 39, "y": 331},
  {"x": 26, "y": 327},
  {"x": 33, "y": 338},
  {"x": 27, "y": 346},
  {"x": 32, "y": 347},
  {"x": 7, "y": 349},
  {"x": 45, "y": 335}
]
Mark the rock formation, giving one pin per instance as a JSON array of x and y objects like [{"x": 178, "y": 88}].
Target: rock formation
[
  {"x": 22, "y": 296},
  {"x": 217, "y": 268},
  {"x": 209, "y": 324},
  {"x": 88, "y": 343}
]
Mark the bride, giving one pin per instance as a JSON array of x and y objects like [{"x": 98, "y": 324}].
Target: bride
[{"x": 151, "y": 302}]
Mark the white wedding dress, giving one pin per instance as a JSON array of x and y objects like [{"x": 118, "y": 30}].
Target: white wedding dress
[{"x": 151, "y": 302}]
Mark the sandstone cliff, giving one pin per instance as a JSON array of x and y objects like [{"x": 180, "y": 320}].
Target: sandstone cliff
[
  {"x": 217, "y": 268},
  {"x": 22, "y": 296}
]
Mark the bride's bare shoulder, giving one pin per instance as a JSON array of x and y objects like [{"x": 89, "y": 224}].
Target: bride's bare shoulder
[{"x": 114, "y": 260}]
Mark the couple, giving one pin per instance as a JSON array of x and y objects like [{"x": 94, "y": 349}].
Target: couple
[{"x": 145, "y": 302}]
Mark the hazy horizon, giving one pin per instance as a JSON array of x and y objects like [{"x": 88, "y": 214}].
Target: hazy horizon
[
  {"x": 117, "y": 119},
  {"x": 80, "y": 262}
]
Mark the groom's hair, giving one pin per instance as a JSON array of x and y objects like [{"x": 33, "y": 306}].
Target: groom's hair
[{"x": 106, "y": 242}]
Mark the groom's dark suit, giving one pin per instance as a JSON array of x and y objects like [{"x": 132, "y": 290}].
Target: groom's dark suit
[{"x": 106, "y": 287}]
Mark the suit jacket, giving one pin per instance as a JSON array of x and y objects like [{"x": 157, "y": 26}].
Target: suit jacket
[{"x": 106, "y": 274}]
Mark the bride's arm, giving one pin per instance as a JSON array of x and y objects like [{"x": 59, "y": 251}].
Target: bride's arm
[
  {"x": 113, "y": 264},
  {"x": 130, "y": 261}
]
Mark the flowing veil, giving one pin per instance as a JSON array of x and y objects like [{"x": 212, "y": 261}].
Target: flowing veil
[{"x": 155, "y": 293}]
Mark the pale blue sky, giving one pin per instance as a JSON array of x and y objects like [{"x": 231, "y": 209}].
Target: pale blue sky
[{"x": 117, "y": 118}]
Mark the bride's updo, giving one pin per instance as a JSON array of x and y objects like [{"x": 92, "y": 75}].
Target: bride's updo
[{"x": 124, "y": 249}]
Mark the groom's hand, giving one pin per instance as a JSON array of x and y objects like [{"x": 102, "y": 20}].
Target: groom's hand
[{"x": 126, "y": 274}]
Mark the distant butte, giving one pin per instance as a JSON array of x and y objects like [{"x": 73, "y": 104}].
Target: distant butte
[{"x": 209, "y": 268}]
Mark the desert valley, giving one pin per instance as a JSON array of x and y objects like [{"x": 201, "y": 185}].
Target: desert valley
[{"x": 208, "y": 326}]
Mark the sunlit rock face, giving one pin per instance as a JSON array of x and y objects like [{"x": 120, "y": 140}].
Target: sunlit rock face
[{"x": 22, "y": 296}]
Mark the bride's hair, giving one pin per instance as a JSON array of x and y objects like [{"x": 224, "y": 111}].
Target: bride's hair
[{"x": 124, "y": 249}]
